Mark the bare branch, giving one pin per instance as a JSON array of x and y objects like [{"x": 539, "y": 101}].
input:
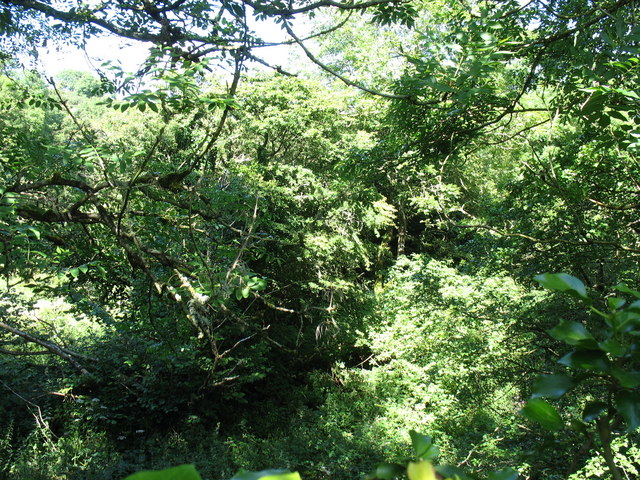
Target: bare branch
[
  {"x": 63, "y": 353},
  {"x": 245, "y": 242}
]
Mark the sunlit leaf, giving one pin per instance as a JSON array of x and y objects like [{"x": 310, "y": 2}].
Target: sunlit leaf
[
  {"x": 274, "y": 474},
  {"x": 422, "y": 470},
  {"x": 543, "y": 413},
  {"x": 182, "y": 472},
  {"x": 563, "y": 282}
]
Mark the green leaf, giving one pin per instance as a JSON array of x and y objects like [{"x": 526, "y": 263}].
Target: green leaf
[
  {"x": 624, "y": 289},
  {"x": 388, "y": 471},
  {"x": 83, "y": 268},
  {"x": 421, "y": 470},
  {"x": 627, "y": 320},
  {"x": 594, "y": 103},
  {"x": 613, "y": 347},
  {"x": 552, "y": 386},
  {"x": 505, "y": 474},
  {"x": 448, "y": 471},
  {"x": 578, "y": 426},
  {"x": 617, "y": 115},
  {"x": 627, "y": 379},
  {"x": 182, "y": 472},
  {"x": 563, "y": 282},
  {"x": 75, "y": 272},
  {"x": 9, "y": 198},
  {"x": 592, "y": 410},
  {"x": 615, "y": 303},
  {"x": 34, "y": 231},
  {"x": 153, "y": 106},
  {"x": 634, "y": 306},
  {"x": 266, "y": 475},
  {"x": 236, "y": 9},
  {"x": 423, "y": 447},
  {"x": 586, "y": 360},
  {"x": 543, "y": 413},
  {"x": 628, "y": 404},
  {"x": 573, "y": 333}
]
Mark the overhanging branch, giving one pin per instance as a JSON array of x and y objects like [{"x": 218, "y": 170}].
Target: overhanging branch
[
  {"x": 63, "y": 353},
  {"x": 342, "y": 78}
]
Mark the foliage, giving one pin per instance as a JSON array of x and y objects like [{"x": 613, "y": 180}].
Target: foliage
[
  {"x": 207, "y": 264},
  {"x": 420, "y": 467},
  {"x": 605, "y": 360},
  {"x": 435, "y": 343}
]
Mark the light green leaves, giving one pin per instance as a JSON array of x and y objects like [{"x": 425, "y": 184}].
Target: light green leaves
[
  {"x": 189, "y": 472},
  {"x": 249, "y": 284},
  {"x": 75, "y": 271},
  {"x": 182, "y": 472},
  {"x": 274, "y": 474},
  {"x": 421, "y": 470}
]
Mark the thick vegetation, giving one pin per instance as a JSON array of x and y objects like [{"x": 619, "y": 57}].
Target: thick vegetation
[{"x": 222, "y": 261}]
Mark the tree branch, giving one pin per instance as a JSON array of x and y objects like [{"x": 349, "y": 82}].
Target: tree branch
[
  {"x": 286, "y": 12},
  {"x": 586, "y": 242},
  {"x": 63, "y": 353},
  {"x": 344, "y": 79}
]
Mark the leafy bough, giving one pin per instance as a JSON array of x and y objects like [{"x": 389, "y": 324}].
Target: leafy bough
[{"x": 610, "y": 359}]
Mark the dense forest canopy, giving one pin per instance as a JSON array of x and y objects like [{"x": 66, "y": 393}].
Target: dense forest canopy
[{"x": 228, "y": 260}]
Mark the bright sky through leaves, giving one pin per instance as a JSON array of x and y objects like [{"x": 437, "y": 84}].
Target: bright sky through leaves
[{"x": 130, "y": 55}]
